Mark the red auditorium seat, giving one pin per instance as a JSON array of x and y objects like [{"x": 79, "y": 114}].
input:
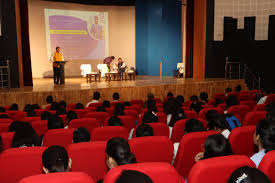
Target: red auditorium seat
[
  {"x": 128, "y": 122},
  {"x": 260, "y": 107},
  {"x": 217, "y": 170},
  {"x": 91, "y": 109},
  {"x": 152, "y": 149},
  {"x": 190, "y": 146},
  {"x": 157, "y": 100},
  {"x": 132, "y": 113},
  {"x": 233, "y": 94},
  {"x": 140, "y": 102},
  {"x": 95, "y": 104},
  {"x": 38, "y": 112},
  {"x": 252, "y": 118},
  {"x": 110, "y": 111},
  {"x": 90, "y": 158},
  {"x": 222, "y": 106},
  {"x": 267, "y": 165},
  {"x": 5, "y": 125},
  {"x": 67, "y": 177},
  {"x": 7, "y": 139},
  {"x": 204, "y": 111},
  {"x": 249, "y": 103},
  {"x": 113, "y": 104},
  {"x": 100, "y": 116},
  {"x": 158, "y": 172},
  {"x": 71, "y": 106},
  {"x": 89, "y": 123},
  {"x": 81, "y": 112},
  {"x": 270, "y": 99},
  {"x": 61, "y": 137},
  {"x": 220, "y": 96},
  {"x": 159, "y": 129},
  {"x": 18, "y": 163},
  {"x": 245, "y": 95},
  {"x": 29, "y": 119},
  {"x": 16, "y": 115},
  {"x": 239, "y": 110},
  {"x": 108, "y": 132},
  {"x": 241, "y": 140},
  {"x": 63, "y": 117},
  {"x": 41, "y": 126},
  {"x": 190, "y": 114}
]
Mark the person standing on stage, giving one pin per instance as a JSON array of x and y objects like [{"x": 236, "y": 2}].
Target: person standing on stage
[
  {"x": 108, "y": 61},
  {"x": 57, "y": 57}
]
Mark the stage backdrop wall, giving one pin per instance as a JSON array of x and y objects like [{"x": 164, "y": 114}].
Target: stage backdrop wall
[
  {"x": 158, "y": 36},
  {"x": 121, "y": 35}
]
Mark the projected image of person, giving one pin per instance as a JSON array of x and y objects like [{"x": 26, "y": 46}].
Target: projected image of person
[{"x": 96, "y": 29}]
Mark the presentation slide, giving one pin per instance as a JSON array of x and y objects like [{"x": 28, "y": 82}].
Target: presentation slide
[{"x": 82, "y": 35}]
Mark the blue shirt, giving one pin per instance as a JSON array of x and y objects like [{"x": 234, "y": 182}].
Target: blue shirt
[{"x": 257, "y": 158}]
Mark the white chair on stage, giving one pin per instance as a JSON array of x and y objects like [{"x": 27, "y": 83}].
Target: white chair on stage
[
  {"x": 85, "y": 69},
  {"x": 103, "y": 68},
  {"x": 180, "y": 67}
]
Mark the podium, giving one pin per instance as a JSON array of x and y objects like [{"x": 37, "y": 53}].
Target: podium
[{"x": 61, "y": 71}]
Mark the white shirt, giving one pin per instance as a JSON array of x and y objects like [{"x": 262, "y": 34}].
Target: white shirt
[
  {"x": 257, "y": 158},
  {"x": 169, "y": 117},
  {"x": 92, "y": 102},
  {"x": 226, "y": 133},
  {"x": 262, "y": 100},
  {"x": 176, "y": 147}
]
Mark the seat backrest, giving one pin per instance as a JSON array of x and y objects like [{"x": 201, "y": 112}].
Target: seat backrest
[
  {"x": 260, "y": 107},
  {"x": 61, "y": 137},
  {"x": 190, "y": 114},
  {"x": 250, "y": 103},
  {"x": 160, "y": 129},
  {"x": 95, "y": 104},
  {"x": 67, "y": 177},
  {"x": 190, "y": 146},
  {"x": 16, "y": 115},
  {"x": 39, "y": 111},
  {"x": 205, "y": 110},
  {"x": 241, "y": 140},
  {"x": 222, "y": 106},
  {"x": 267, "y": 165},
  {"x": 89, "y": 157},
  {"x": 7, "y": 139},
  {"x": 220, "y": 96},
  {"x": 239, "y": 110},
  {"x": 152, "y": 149},
  {"x": 89, "y": 123},
  {"x": 140, "y": 102},
  {"x": 128, "y": 121},
  {"x": 217, "y": 170},
  {"x": 5, "y": 125},
  {"x": 270, "y": 99},
  {"x": 253, "y": 118},
  {"x": 29, "y": 119},
  {"x": 108, "y": 132},
  {"x": 81, "y": 113},
  {"x": 158, "y": 172},
  {"x": 162, "y": 118},
  {"x": 41, "y": 126},
  {"x": 99, "y": 116},
  {"x": 71, "y": 106},
  {"x": 132, "y": 112},
  {"x": 18, "y": 163}
]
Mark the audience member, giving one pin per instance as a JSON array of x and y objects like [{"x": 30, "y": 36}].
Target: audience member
[
  {"x": 96, "y": 97},
  {"x": 227, "y": 90},
  {"x": 35, "y": 107},
  {"x": 266, "y": 92},
  {"x": 4, "y": 116},
  {"x": 231, "y": 101},
  {"x": 28, "y": 108},
  {"x": 248, "y": 175},
  {"x": 170, "y": 95},
  {"x": 180, "y": 100},
  {"x": 132, "y": 176},
  {"x": 55, "y": 159},
  {"x": 79, "y": 106},
  {"x": 54, "y": 106},
  {"x": 81, "y": 135},
  {"x": 264, "y": 138},
  {"x": 238, "y": 88},
  {"x": 204, "y": 97},
  {"x": 150, "y": 96},
  {"x": 100, "y": 109},
  {"x": 106, "y": 104},
  {"x": 61, "y": 110},
  {"x": 49, "y": 101},
  {"x": 126, "y": 103},
  {"x": 196, "y": 106},
  {"x": 114, "y": 121},
  {"x": 151, "y": 106},
  {"x": 194, "y": 98},
  {"x": 174, "y": 112},
  {"x": 13, "y": 126},
  {"x": 45, "y": 115},
  {"x": 14, "y": 107},
  {"x": 119, "y": 110},
  {"x": 55, "y": 122},
  {"x": 220, "y": 124},
  {"x": 218, "y": 102},
  {"x": 115, "y": 97},
  {"x": 70, "y": 116},
  {"x": 211, "y": 115},
  {"x": 63, "y": 104},
  {"x": 144, "y": 130},
  {"x": 149, "y": 117},
  {"x": 31, "y": 113}
]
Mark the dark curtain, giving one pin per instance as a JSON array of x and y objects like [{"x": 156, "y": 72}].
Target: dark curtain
[
  {"x": 27, "y": 68},
  {"x": 189, "y": 39}
]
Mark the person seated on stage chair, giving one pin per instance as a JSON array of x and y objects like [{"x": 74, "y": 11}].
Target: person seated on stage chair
[
  {"x": 57, "y": 57},
  {"x": 121, "y": 66},
  {"x": 95, "y": 99},
  {"x": 108, "y": 61}
]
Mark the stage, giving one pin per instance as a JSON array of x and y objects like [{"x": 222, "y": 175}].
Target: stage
[{"x": 77, "y": 90}]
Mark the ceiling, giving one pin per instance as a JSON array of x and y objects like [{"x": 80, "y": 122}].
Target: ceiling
[{"x": 100, "y": 2}]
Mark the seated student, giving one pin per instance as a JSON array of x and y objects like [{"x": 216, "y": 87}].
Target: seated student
[
  {"x": 55, "y": 122},
  {"x": 81, "y": 135},
  {"x": 14, "y": 125},
  {"x": 215, "y": 146},
  {"x": 31, "y": 113},
  {"x": 119, "y": 110},
  {"x": 238, "y": 88},
  {"x": 149, "y": 117},
  {"x": 191, "y": 125},
  {"x": 96, "y": 97},
  {"x": 227, "y": 90},
  {"x": 35, "y": 106},
  {"x": 247, "y": 174},
  {"x": 194, "y": 98},
  {"x": 196, "y": 106},
  {"x": 2, "y": 109},
  {"x": 151, "y": 106},
  {"x": 211, "y": 115},
  {"x": 144, "y": 130},
  {"x": 176, "y": 112},
  {"x": 116, "y": 97},
  {"x": 218, "y": 102},
  {"x": 14, "y": 107},
  {"x": 54, "y": 106},
  {"x": 28, "y": 107},
  {"x": 114, "y": 121},
  {"x": 220, "y": 124},
  {"x": 264, "y": 138},
  {"x": 25, "y": 136},
  {"x": 49, "y": 101},
  {"x": 61, "y": 111},
  {"x": 266, "y": 92},
  {"x": 133, "y": 176},
  {"x": 45, "y": 115},
  {"x": 100, "y": 109},
  {"x": 63, "y": 104},
  {"x": 180, "y": 100},
  {"x": 170, "y": 95},
  {"x": 270, "y": 115},
  {"x": 1, "y": 145},
  {"x": 231, "y": 101},
  {"x": 204, "y": 97},
  {"x": 70, "y": 116},
  {"x": 4, "y": 116},
  {"x": 126, "y": 103},
  {"x": 79, "y": 106},
  {"x": 150, "y": 96},
  {"x": 55, "y": 159},
  {"x": 106, "y": 104}
]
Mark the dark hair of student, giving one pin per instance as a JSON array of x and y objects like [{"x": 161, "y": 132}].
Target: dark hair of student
[
  {"x": 216, "y": 145},
  {"x": 28, "y": 107},
  {"x": 13, "y": 126},
  {"x": 248, "y": 175},
  {"x": 63, "y": 104},
  {"x": 193, "y": 125},
  {"x": 61, "y": 111},
  {"x": 31, "y": 113},
  {"x": 70, "y": 116},
  {"x": 218, "y": 102},
  {"x": 180, "y": 100},
  {"x": 14, "y": 107},
  {"x": 1, "y": 145},
  {"x": 49, "y": 99},
  {"x": 57, "y": 48},
  {"x": 55, "y": 159},
  {"x": 54, "y": 106},
  {"x": 231, "y": 101},
  {"x": 228, "y": 90},
  {"x": 119, "y": 150},
  {"x": 211, "y": 115},
  {"x": 170, "y": 94},
  {"x": 144, "y": 130},
  {"x": 96, "y": 96},
  {"x": 133, "y": 177},
  {"x": 218, "y": 123},
  {"x": 119, "y": 110},
  {"x": 79, "y": 106},
  {"x": 4, "y": 116},
  {"x": 204, "y": 97},
  {"x": 238, "y": 88},
  {"x": 194, "y": 98},
  {"x": 150, "y": 96},
  {"x": 149, "y": 117},
  {"x": 45, "y": 115},
  {"x": 151, "y": 106},
  {"x": 266, "y": 130},
  {"x": 81, "y": 135},
  {"x": 170, "y": 106},
  {"x": 100, "y": 109},
  {"x": 106, "y": 104},
  {"x": 270, "y": 115},
  {"x": 115, "y": 96},
  {"x": 126, "y": 103},
  {"x": 25, "y": 136},
  {"x": 196, "y": 106},
  {"x": 112, "y": 57},
  {"x": 114, "y": 121},
  {"x": 2, "y": 109},
  {"x": 270, "y": 107},
  {"x": 36, "y": 106},
  {"x": 55, "y": 122}
]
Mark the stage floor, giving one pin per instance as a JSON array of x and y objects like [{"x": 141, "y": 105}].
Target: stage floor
[{"x": 77, "y": 90}]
